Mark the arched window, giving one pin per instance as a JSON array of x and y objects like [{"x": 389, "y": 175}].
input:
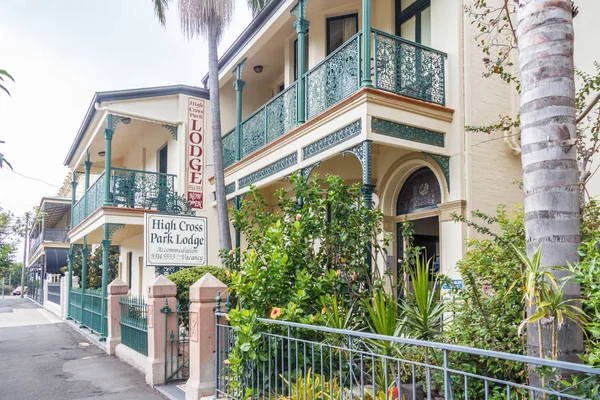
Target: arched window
[{"x": 421, "y": 190}]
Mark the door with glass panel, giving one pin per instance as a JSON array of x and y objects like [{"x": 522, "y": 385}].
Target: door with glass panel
[{"x": 342, "y": 70}]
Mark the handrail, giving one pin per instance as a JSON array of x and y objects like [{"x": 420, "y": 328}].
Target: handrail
[
  {"x": 436, "y": 345},
  {"x": 142, "y": 172},
  {"x": 414, "y": 44}
]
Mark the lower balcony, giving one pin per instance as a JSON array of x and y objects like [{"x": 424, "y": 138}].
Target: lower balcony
[
  {"x": 399, "y": 66},
  {"x": 129, "y": 189}
]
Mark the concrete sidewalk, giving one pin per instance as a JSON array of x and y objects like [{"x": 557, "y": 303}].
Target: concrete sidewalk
[{"x": 43, "y": 358}]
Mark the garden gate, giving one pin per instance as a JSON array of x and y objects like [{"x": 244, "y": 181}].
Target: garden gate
[{"x": 177, "y": 345}]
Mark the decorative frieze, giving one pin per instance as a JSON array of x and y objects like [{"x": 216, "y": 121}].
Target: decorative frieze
[
  {"x": 332, "y": 140},
  {"x": 229, "y": 188},
  {"x": 269, "y": 170},
  {"x": 406, "y": 132}
]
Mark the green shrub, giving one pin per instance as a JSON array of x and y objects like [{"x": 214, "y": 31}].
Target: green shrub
[
  {"x": 186, "y": 278},
  {"x": 486, "y": 314}
]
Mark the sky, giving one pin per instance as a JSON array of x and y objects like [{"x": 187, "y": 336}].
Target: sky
[{"x": 60, "y": 53}]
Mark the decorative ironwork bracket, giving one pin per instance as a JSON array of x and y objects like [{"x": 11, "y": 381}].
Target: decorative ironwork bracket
[
  {"x": 363, "y": 153},
  {"x": 114, "y": 120},
  {"x": 180, "y": 206},
  {"x": 113, "y": 228},
  {"x": 443, "y": 162},
  {"x": 172, "y": 129}
]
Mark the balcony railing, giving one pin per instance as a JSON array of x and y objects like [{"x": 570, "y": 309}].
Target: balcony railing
[
  {"x": 334, "y": 78},
  {"x": 408, "y": 68},
  {"x": 399, "y": 66},
  {"x": 129, "y": 189},
  {"x": 49, "y": 235}
]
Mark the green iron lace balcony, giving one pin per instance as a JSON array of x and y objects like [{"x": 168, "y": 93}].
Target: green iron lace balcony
[
  {"x": 129, "y": 189},
  {"x": 333, "y": 79},
  {"x": 399, "y": 66},
  {"x": 408, "y": 68}
]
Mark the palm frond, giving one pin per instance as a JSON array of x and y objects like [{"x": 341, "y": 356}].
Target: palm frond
[
  {"x": 5, "y": 73},
  {"x": 160, "y": 9},
  {"x": 205, "y": 18}
]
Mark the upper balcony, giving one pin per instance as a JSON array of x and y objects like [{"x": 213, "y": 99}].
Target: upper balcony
[
  {"x": 129, "y": 189},
  {"x": 52, "y": 228},
  {"x": 399, "y": 66},
  {"x": 378, "y": 61}
]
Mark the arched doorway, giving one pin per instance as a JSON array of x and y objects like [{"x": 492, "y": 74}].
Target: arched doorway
[{"x": 418, "y": 201}]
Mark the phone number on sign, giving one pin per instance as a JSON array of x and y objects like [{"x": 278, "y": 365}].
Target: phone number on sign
[{"x": 159, "y": 256}]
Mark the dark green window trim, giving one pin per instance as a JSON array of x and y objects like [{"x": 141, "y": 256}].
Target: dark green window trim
[
  {"x": 414, "y": 10},
  {"x": 327, "y": 24}
]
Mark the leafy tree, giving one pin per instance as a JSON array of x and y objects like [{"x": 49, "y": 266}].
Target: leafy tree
[
  {"x": 94, "y": 265},
  {"x": 21, "y": 227}
]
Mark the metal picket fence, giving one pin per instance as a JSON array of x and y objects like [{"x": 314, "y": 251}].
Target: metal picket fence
[
  {"x": 75, "y": 311},
  {"x": 177, "y": 345},
  {"x": 92, "y": 311},
  {"x": 292, "y": 361},
  {"x": 134, "y": 323}
]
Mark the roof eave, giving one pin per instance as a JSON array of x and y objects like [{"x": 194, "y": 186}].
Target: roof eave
[
  {"x": 129, "y": 94},
  {"x": 247, "y": 35}
]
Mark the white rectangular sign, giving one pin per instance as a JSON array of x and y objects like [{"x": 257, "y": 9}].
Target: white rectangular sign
[{"x": 175, "y": 241}]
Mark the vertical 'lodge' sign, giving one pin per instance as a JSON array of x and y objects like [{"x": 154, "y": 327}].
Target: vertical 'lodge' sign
[{"x": 195, "y": 153}]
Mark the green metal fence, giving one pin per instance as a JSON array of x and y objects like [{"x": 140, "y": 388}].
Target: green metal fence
[
  {"x": 75, "y": 305},
  {"x": 134, "y": 323},
  {"x": 92, "y": 311}
]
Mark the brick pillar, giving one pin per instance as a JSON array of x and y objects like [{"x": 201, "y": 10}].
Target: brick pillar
[
  {"x": 161, "y": 294},
  {"x": 202, "y": 336},
  {"x": 116, "y": 289}
]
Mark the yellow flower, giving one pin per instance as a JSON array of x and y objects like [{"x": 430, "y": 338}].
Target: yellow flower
[
  {"x": 226, "y": 362},
  {"x": 324, "y": 311},
  {"x": 276, "y": 312},
  {"x": 342, "y": 260},
  {"x": 338, "y": 273}
]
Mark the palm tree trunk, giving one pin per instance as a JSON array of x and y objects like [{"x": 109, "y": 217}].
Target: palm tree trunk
[
  {"x": 217, "y": 142},
  {"x": 548, "y": 133}
]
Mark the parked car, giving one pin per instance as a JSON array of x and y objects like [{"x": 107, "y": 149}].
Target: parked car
[{"x": 17, "y": 291}]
